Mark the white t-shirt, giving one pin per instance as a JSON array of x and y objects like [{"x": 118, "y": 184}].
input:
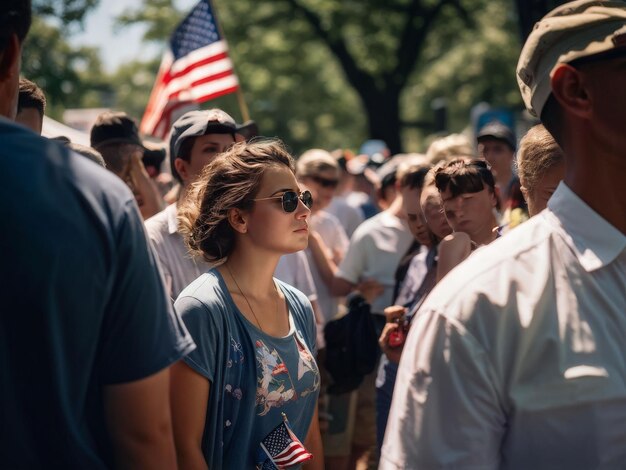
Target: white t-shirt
[
  {"x": 517, "y": 359},
  {"x": 348, "y": 216},
  {"x": 375, "y": 249},
  {"x": 335, "y": 239},
  {"x": 293, "y": 269}
]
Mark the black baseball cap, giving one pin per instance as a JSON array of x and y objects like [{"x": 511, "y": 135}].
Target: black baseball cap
[
  {"x": 499, "y": 131},
  {"x": 114, "y": 128},
  {"x": 212, "y": 121},
  {"x": 203, "y": 122}
]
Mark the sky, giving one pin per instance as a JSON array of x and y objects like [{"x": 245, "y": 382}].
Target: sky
[{"x": 116, "y": 47}]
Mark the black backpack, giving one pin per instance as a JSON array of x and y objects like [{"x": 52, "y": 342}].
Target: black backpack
[{"x": 352, "y": 349}]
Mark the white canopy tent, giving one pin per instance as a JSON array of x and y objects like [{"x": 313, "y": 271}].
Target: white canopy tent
[{"x": 52, "y": 128}]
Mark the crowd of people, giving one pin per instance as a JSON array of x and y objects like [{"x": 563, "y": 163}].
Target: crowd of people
[{"x": 167, "y": 305}]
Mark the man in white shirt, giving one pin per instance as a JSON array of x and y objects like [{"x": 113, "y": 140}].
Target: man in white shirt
[
  {"x": 196, "y": 138},
  {"x": 517, "y": 359}
]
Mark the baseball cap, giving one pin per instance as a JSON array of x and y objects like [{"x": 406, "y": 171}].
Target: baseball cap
[
  {"x": 499, "y": 131},
  {"x": 571, "y": 31},
  {"x": 114, "y": 128},
  {"x": 212, "y": 121}
]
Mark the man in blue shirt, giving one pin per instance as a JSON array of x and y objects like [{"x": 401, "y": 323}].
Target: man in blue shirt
[{"x": 86, "y": 331}]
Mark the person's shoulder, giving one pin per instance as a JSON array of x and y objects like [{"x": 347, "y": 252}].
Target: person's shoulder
[
  {"x": 207, "y": 289},
  {"x": 457, "y": 245},
  {"x": 206, "y": 296},
  {"x": 490, "y": 271}
]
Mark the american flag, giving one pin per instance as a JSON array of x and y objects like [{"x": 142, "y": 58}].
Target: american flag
[
  {"x": 281, "y": 449},
  {"x": 196, "y": 68}
]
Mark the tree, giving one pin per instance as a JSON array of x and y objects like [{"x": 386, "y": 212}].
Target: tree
[
  {"x": 66, "y": 11},
  {"x": 384, "y": 48},
  {"x": 67, "y": 75},
  {"x": 330, "y": 73},
  {"x": 531, "y": 11}
]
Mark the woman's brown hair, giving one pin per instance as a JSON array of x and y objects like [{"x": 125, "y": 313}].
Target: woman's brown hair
[{"x": 230, "y": 181}]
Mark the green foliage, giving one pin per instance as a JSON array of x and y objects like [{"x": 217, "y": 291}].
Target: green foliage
[
  {"x": 70, "y": 77},
  {"x": 317, "y": 73},
  {"x": 465, "y": 67},
  {"x": 160, "y": 17},
  {"x": 66, "y": 11},
  {"x": 132, "y": 83},
  {"x": 294, "y": 87}
]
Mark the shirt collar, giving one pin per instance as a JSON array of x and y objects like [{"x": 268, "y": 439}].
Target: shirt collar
[
  {"x": 387, "y": 219},
  {"x": 172, "y": 222},
  {"x": 595, "y": 241}
]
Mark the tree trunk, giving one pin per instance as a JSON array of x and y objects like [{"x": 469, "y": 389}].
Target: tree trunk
[
  {"x": 383, "y": 117},
  {"x": 531, "y": 11}
]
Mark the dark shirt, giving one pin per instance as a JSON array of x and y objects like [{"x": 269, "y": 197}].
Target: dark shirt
[{"x": 83, "y": 304}]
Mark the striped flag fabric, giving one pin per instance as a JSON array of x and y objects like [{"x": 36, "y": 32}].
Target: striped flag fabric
[
  {"x": 195, "y": 68},
  {"x": 281, "y": 449}
]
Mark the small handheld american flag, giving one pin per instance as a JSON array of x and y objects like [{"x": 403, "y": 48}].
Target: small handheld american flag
[
  {"x": 195, "y": 68},
  {"x": 281, "y": 449}
]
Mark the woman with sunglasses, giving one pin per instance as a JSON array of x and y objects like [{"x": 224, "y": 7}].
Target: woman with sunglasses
[{"x": 254, "y": 367}]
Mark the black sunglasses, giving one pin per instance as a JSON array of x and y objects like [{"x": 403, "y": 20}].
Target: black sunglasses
[{"x": 290, "y": 199}]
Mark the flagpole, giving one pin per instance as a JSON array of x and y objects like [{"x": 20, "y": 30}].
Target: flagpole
[
  {"x": 241, "y": 101},
  {"x": 243, "y": 107}
]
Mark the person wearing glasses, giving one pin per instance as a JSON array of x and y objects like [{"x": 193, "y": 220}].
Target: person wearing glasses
[
  {"x": 516, "y": 361},
  {"x": 196, "y": 138},
  {"x": 469, "y": 202},
  {"x": 254, "y": 365}
]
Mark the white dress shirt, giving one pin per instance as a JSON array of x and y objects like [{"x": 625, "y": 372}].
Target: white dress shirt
[
  {"x": 179, "y": 267},
  {"x": 518, "y": 358}
]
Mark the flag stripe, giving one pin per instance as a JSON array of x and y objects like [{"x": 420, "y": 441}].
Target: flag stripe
[
  {"x": 222, "y": 62},
  {"x": 199, "y": 76},
  {"x": 182, "y": 64},
  {"x": 295, "y": 455},
  {"x": 207, "y": 89},
  {"x": 288, "y": 450},
  {"x": 213, "y": 49}
]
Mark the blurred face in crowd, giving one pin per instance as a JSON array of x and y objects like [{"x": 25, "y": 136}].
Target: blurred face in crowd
[
  {"x": 432, "y": 209},
  {"x": 204, "y": 149},
  {"x": 415, "y": 217},
  {"x": 499, "y": 156},
  {"x": 322, "y": 187},
  {"x": 537, "y": 196},
  {"x": 471, "y": 213}
]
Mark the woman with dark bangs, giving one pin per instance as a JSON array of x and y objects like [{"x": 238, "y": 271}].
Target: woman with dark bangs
[{"x": 470, "y": 204}]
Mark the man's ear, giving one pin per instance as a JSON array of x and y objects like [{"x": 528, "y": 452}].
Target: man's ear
[
  {"x": 524, "y": 190},
  {"x": 238, "y": 220},
  {"x": 569, "y": 87}
]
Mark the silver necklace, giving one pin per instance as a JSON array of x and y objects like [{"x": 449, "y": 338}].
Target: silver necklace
[{"x": 246, "y": 298}]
